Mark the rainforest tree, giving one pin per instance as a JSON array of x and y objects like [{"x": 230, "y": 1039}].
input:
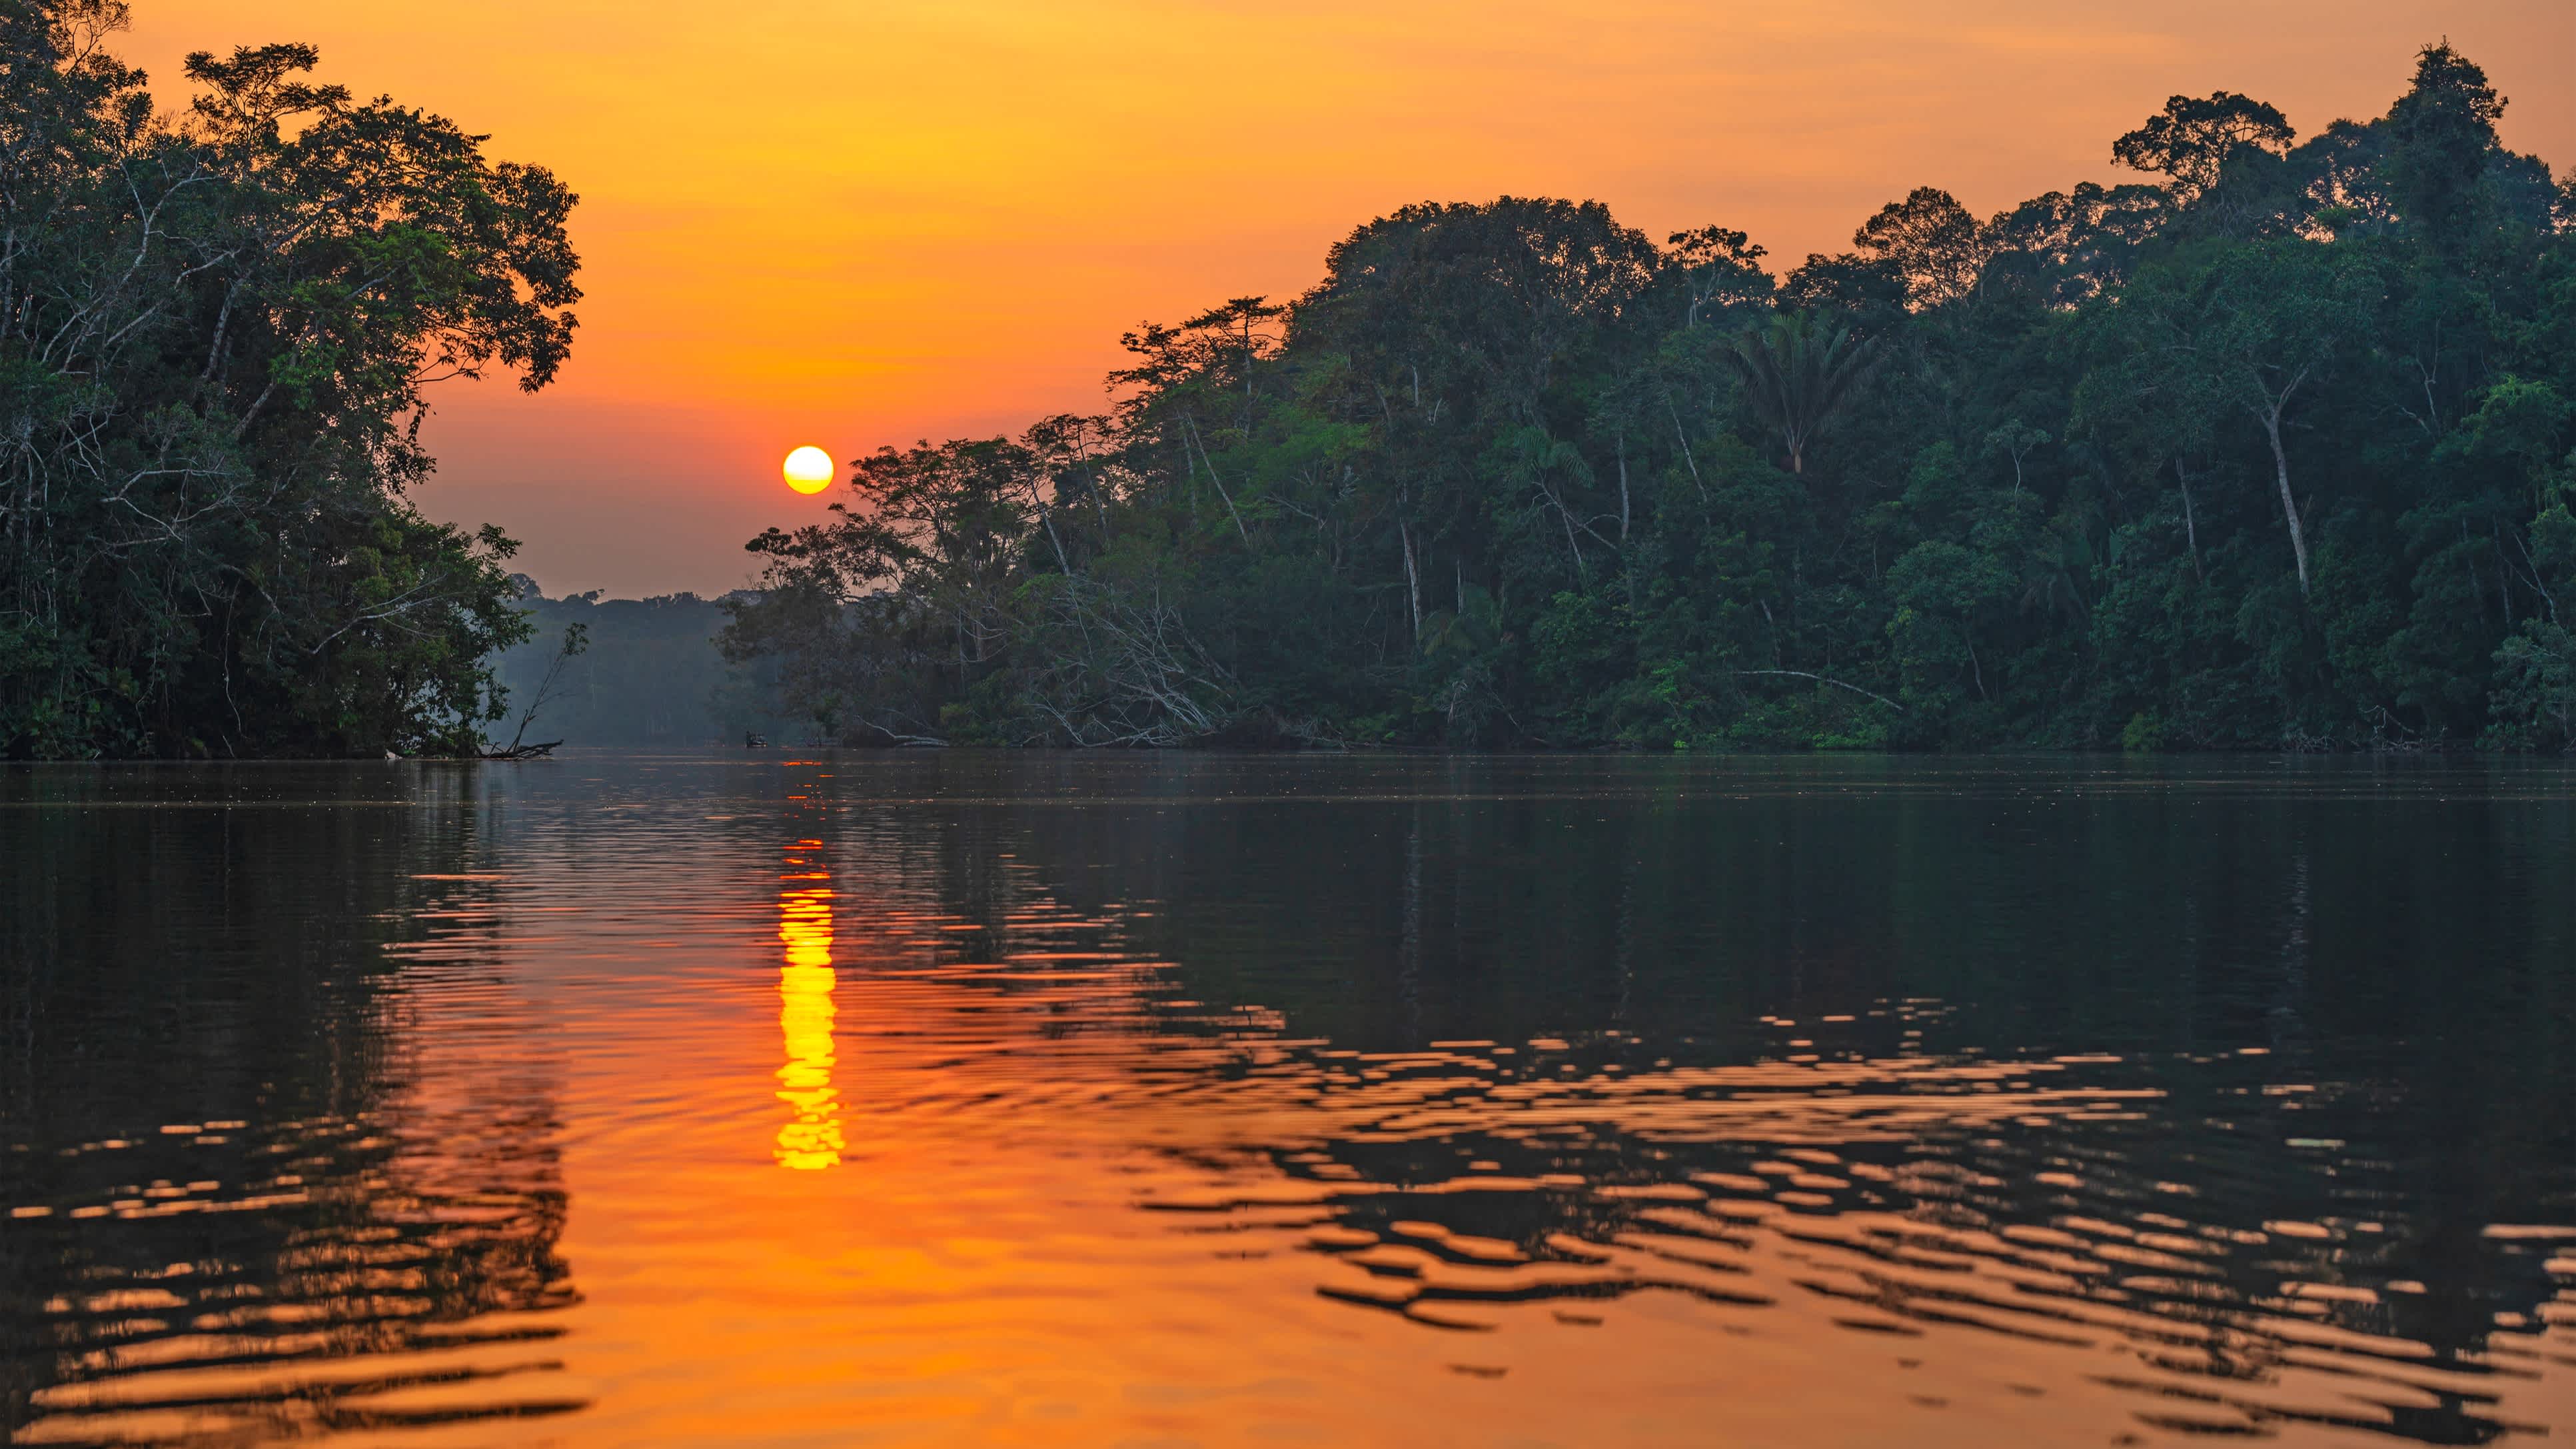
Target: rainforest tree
[{"x": 216, "y": 333}]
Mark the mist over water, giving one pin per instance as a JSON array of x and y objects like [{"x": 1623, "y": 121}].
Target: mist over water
[{"x": 1039, "y": 1098}]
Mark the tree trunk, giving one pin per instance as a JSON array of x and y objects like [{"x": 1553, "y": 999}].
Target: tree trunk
[
  {"x": 1046, "y": 515},
  {"x": 1061, "y": 561},
  {"x": 1565, "y": 516},
  {"x": 2289, "y": 505},
  {"x": 1099, "y": 509},
  {"x": 1240, "y": 531},
  {"x": 1623, "y": 488},
  {"x": 2190, "y": 527},
  {"x": 1412, "y": 581},
  {"x": 1684, "y": 439}
]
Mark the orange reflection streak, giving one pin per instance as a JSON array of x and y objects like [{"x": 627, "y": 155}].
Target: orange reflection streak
[{"x": 811, "y": 1140}]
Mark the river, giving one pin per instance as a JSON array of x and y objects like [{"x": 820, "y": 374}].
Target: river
[{"x": 865, "y": 1098}]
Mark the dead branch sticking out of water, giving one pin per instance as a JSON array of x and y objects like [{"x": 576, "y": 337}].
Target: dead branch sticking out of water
[
  {"x": 576, "y": 638},
  {"x": 522, "y": 752}
]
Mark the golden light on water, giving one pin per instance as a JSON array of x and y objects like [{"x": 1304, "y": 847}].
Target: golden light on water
[
  {"x": 808, "y": 469},
  {"x": 811, "y": 1139}
]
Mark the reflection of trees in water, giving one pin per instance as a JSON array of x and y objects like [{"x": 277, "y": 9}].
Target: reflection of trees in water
[
  {"x": 2245, "y": 1241},
  {"x": 2212, "y": 1229},
  {"x": 375, "y": 1241},
  {"x": 2323, "y": 1207},
  {"x": 2219, "y": 1232},
  {"x": 2208, "y": 1231},
  {"x": 266, "y": 1089},
  {"x": 2063, "y": 917}
]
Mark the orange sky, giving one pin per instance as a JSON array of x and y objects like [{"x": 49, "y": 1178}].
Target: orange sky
[{"x": 854, "y": 222}]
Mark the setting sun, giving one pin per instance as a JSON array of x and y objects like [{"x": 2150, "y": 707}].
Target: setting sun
[{"x": 809, "y": 470}]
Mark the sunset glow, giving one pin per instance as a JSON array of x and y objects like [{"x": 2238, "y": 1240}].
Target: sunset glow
[{"x": 954, "y": 244}]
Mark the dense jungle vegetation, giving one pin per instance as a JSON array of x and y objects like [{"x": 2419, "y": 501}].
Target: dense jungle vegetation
[
  {"x": 2269, "y": 449},
  {"x": 215, "y": 332}
]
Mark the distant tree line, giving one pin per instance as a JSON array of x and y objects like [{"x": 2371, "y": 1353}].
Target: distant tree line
[
  {"x": 646, "y": 672},
  {"x": 215, "y": 335},
  {"x": 2271, "y": 450}
]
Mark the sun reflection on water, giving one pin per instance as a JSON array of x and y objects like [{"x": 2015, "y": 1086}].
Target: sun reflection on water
[{"x": 811, "y": 1139}]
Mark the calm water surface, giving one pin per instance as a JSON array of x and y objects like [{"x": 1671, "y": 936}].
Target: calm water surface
[{"x": 855, "y": 1099}]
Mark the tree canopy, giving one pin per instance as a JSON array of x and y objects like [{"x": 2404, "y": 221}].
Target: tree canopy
[
  {"x": 216, "y": 332},
  {"x": 2270, "y": 451}
]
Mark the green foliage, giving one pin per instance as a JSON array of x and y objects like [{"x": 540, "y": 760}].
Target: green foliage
[
  {"x": 1799, "y": 377},
  {"x": 2273, "y": 454},
  {"x": 216, "y": 335},
  {"x": 2535, "y": 699}
]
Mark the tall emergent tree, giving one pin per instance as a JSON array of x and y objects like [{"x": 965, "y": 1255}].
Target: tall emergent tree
[{"x": 215, "y": 335}]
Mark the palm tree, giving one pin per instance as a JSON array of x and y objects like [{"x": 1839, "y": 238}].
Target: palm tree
[{"x": 1800, "y": 378}]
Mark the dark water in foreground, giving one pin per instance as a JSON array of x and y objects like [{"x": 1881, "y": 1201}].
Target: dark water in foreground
[{"x": 1156, "y": 1100}]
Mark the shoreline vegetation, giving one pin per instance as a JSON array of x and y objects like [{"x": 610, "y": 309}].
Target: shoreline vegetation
[
  {"x": 2267, "y": 450},
  {"x": 217, "y": 330}
]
